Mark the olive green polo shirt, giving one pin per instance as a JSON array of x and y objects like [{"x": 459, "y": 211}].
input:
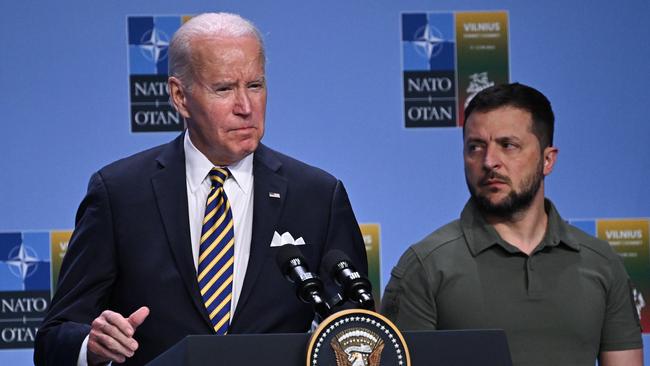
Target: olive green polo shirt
[{"x": 562, "y": 305}]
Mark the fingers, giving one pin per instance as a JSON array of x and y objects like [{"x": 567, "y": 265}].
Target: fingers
[
  {"x": 138, "y": 317},
  {"x": 115, "y": 324},
  {"x": 110, "y": 338},
  {"x": 99, "y": 354}
]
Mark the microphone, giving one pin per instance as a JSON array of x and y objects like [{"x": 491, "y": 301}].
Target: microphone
[
  {"x": 355, "y": 287},
  {"x": 309, "y": 288}
]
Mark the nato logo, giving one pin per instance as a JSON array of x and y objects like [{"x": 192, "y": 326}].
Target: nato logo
[
  {"x": 148, "y": 46},
  {"x": 24, "y": 286},
  {"x": 428, "y": 55},
  {"x": 428, "y": 41},
  {"x": 25, "y": 261}
]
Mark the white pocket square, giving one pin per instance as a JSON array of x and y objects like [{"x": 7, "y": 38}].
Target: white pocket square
[{"x": 286, "y": 238}]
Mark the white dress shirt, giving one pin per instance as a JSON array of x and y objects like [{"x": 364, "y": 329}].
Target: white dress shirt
[{"x": 239, "y": 189}]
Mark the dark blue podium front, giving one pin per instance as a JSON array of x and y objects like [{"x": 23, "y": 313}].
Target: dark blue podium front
[{"x": 426, "y": 348}]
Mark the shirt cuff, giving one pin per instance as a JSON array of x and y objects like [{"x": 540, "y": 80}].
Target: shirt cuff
[
  {"x": 83, "y": 353},
  {"x": 83, "y": 360}
]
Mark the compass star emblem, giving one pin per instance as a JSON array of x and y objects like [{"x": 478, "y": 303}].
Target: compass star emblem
[
  {"x": 22, "y": 261},
  {"x": 154, "y": 44},
  {"x": 428, "y": 41}
]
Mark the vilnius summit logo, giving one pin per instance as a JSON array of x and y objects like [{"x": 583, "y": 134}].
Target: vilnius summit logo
[{"x": 148, "y": 42}]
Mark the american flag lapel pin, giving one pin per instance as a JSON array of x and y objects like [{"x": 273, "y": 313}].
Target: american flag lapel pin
[{"x": 274, "y": 195}]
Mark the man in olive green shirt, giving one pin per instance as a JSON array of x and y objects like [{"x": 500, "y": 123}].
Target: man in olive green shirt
[{"x": 511, "y": 262}]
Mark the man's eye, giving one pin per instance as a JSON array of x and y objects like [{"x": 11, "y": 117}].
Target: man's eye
[{"x": 256, "y": 85}]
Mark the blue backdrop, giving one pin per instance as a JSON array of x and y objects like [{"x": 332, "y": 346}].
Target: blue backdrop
[{"x": 335, "y": 101}]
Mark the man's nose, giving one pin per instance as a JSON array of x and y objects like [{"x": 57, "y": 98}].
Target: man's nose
[
  {"x": 492, "y": 158},
  {"x": 242, "y": 102}
]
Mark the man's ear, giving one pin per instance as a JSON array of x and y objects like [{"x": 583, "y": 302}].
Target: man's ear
[
  {"x": 550, "y": 157},
  {"x": 177, "y": 96}
]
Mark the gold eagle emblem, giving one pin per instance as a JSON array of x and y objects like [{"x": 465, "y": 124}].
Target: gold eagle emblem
[{"x": 357, "y": 347}]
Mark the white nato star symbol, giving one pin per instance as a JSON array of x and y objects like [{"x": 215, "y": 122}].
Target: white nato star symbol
[
  {"x": 22, "y": 261},
  {"x": 154, "y": 44},
  {"x": 428, "y": 43}
]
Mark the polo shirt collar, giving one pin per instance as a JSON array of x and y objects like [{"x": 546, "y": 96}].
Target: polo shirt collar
[
  {"x": 558, "y": 230},
  {"x": 480, "y": 235}
]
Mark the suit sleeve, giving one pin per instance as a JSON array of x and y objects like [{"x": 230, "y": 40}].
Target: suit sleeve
[
  {"x": 343, "y": 230},
  {"x": 87, "y": 274}
]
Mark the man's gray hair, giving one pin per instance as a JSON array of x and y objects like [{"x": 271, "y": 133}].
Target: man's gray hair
[{"x": 206, "y": 25}]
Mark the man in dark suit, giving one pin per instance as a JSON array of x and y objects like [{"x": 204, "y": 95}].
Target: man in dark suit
[{"x": 131, "y": 281}]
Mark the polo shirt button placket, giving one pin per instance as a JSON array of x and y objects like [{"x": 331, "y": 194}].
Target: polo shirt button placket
[{"x": 534, "y": 281}]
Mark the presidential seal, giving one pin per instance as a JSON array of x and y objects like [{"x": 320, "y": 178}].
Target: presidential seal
[{"x": 357, "y": 338}]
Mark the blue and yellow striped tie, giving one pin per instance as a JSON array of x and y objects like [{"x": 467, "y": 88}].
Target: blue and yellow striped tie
[{"x": 216, "y": 253}]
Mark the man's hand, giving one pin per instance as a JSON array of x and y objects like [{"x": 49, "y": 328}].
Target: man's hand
[{"x": 111, "y": 336}]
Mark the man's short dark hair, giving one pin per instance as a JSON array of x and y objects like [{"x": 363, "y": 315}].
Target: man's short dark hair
[{"x": 519, "y": 96}]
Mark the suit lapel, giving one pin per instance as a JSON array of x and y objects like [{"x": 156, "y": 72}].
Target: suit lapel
[
  {"x": 171, "y": 196},
  {"x": 266, "y": 211}
]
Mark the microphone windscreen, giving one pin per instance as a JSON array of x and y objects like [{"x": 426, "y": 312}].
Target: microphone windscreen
[
  {"x": 331, "y": 259},
  {"x": 286, "y": 253}
]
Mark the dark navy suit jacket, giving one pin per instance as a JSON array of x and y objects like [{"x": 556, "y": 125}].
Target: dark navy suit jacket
[{"x": 131, "y": 247}]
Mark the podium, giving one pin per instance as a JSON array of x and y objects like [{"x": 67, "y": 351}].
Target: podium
[{"x": 427, "y": 348}]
